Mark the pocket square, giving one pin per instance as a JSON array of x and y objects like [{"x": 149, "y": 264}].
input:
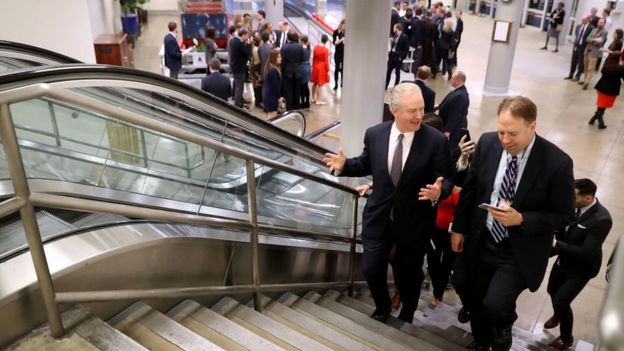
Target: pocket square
[{"x": 581, "y": 226}]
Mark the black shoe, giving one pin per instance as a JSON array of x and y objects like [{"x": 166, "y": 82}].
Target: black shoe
[
  {"x": 406, "y": 316},
  {"x": 568, "y": 77},
  {"x": 380, "y": 316},
  {"x": 502, "y": 339},
  {"x": 592, "y": 120},
  {"x": 602, "y": 126},
  {"x": 463, "y": 316}
]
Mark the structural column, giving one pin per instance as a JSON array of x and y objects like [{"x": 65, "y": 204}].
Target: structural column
[
  {"x": 274, "y": 11},
  {"x": 366, "y": 42},
  {"x": 500, "y": 59}
]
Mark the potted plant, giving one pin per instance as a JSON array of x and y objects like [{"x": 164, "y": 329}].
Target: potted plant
[{"x": 129, "y": 22}]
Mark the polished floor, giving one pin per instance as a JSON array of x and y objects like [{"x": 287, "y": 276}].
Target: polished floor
[{"x": 563, "y": 111}]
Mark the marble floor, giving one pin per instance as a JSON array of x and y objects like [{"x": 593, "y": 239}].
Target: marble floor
[{"x": 563, "y": 111}]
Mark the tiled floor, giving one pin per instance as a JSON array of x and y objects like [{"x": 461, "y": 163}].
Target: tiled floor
[{"x": 563, "y": 111}]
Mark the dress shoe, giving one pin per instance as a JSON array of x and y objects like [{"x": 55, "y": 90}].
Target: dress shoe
[
  {"x": 581, "y": 82},
  {"x": 502, "y": 339},
  {"x": 380, "y": 316},
  {"x": 463, "y": 316},
  {"x": 575, "y": 79},
  {"x": 552, "y": 322},
  {"x": 561, "y": 344},
  {"x": 556, "y": 50},
  {"x": 602, "y": 126},
  {"x": 544, "y": 48},
  {"x": 568, "y": 78},
  {"x": 592, "y": 120},
  {"x": 406, "y": 316}
]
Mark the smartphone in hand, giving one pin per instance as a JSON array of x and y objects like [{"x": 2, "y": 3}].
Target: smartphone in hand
[{"x": 466, "y": 132}]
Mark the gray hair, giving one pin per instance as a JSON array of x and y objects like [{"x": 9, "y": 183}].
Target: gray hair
[
  {"x": 461, "y": 76},
  {"x": 401, "y": 90}
]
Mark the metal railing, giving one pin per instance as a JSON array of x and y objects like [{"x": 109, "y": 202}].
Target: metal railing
[{"x": 24, "y": 201}]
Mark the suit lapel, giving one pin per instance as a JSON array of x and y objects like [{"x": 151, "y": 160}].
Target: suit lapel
[
  {"x": 531, "y": 171},
  {"x": 385, "y": 144},
  {"x": 492, "y": 161}
]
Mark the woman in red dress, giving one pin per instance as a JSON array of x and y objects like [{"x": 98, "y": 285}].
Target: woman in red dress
[
  {"x": 320, "y": 69},
  {"x": 608, "y": 87}
]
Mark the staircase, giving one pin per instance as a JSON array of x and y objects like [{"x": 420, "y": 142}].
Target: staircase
[{"x": 333, "y": 321}]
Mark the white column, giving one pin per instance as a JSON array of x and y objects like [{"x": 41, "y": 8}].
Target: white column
[
  {"x": 500, "y": 59},
  {"x": 321, "y": 8},
  {"x": 364, "y": 70},
  {"x": 274, "y": 11}
]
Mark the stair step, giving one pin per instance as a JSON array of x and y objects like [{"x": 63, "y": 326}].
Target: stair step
[
  {"x": 84, "y": 331},
  {"x": 268, "y": 328},
  {"x": 312, "y": 327},
  {"x": 381, "y": 328},
  {"x": 219, "y": 329},
  {"x": 379, "y": 340},
  {"x": 156, "y": 331},
  {"x": 411, "y": 329}
]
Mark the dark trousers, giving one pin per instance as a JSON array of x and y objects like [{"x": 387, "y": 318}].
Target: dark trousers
[
  {"x": 563, "y": 289},
  {"x": 239, "y": 85},
  {"x": 304, "y": 100},
  {"x": 407, "y": 265},
  {"x": 441, "y": 55},
  {"x": 394, "y": 63},
  {"x": 338, "y": 63},
  {"x": 417, "y": 57},
  {"x": 577, "y": 62},
  {"x": 291, "y": 90},
  {"x": 497, "y": 283},
  {"x": 440, "y": 261},
  {"x": 173, "y": 74},
  {"x": 258, "y": 95}
]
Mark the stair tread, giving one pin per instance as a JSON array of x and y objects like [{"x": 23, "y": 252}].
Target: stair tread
[
  {"x": 315, "y": 326},
  {"x": 411, "y": 329},
  {"x": 373, "y": 325},
  {"x": 270, "y": 326},
  {"x": 222, "y": 325},
  {"x": 143, "y": 322},
  {"x": 348, "y": 325}
]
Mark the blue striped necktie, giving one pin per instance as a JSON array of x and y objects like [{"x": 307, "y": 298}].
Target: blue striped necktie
[{"x": 507, "y": 192}]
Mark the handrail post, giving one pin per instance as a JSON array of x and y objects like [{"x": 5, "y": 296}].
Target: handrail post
[
  {"x": 353, "y": 242},
  {"x": 253, "y": 242},
  {"x": 29, "y": 220}
]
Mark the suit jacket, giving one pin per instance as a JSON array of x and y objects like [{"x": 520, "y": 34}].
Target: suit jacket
[
  {"x": 173, "y": 55},
  {"x": 428, "y": 95},
  {"x": 238, "y": 55},
  {"x": 459, "y": 29},
  {"x": 218, "y": 85},
  {"x": 544, "y": 197},
  {"x": 292, "y": 57},
  {"x": 454, "y": 113},
  {"x": 428, "y": 159},
  {"x": 417, "y": 32},
  {"x": 401, "y": 47},
  {"x": 586, "y": 34},
  {"x": 394, "y": 19},
  {"x": 592, "y": 48},
  {"x": 580, "y": 246},
  {"x": 278, "y": 38}
]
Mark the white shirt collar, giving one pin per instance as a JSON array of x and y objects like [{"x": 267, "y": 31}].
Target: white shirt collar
[
  {"x": 394, "y": 133},
  {"x": 584, "y": 209}
]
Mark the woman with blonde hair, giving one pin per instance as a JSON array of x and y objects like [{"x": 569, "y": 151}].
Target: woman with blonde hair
[{"x": 445, "y": 48}]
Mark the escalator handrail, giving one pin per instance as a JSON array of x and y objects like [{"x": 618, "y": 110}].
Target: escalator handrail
[
  {"x": 59, "y": 73},
  {"x": 289, "y": 114},
  {"x": 36, "y": 52}
]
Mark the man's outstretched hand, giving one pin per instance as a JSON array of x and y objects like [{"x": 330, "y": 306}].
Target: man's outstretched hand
[{"x": 335, "y": 162}]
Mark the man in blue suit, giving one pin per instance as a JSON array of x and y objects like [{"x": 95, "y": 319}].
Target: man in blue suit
[
  {"x": 173, "y": 55},
  {"x": 409, "y": 162},
  {"x": 422, "y": 74},
  {"x": 454, "y": 109},
  {"x": 216, "y": 83}
]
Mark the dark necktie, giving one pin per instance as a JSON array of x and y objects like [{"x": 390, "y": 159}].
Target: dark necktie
[
  {"x": 579, "y": 38},
  {"x": 577, "y": 214},
  {"x": 397, "y": 161},
  {"x": 507, "y": 192}
]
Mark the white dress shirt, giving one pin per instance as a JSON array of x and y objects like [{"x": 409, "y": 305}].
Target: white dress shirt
[
  {"x": 408, "y": 137},
  {"x": 502, "y": 166}
]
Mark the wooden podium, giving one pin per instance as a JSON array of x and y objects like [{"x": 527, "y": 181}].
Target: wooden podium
[{"x": 113, "y": 49}]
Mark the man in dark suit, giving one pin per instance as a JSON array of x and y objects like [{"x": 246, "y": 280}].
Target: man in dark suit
[
  {"x": 398, "y": 51},
  {"x": 409, "y": 162},
  {"x": 579, "y": 247},
  {"x": 281, "y": 35},
  {"x": 394, "y": 16},
  {"x": 416, "y": 38},
  {"x": 530, "y": 182},
  {"x": 578, "y": 52},
  {"x": 292, "y": 56},
  {"x": 422, "y": 74},
  {"x": 454, "y": 109},
  {"x": 216, "y": 83},
  {"x": 173, "y": 54},
  {"x": 239, "y": 50},
  {"x": 459, "y": 29},
  {"x": 430, "y": 38}
]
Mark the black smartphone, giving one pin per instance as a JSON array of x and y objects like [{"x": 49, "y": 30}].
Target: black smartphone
[{"x": 466, "y": 132}]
